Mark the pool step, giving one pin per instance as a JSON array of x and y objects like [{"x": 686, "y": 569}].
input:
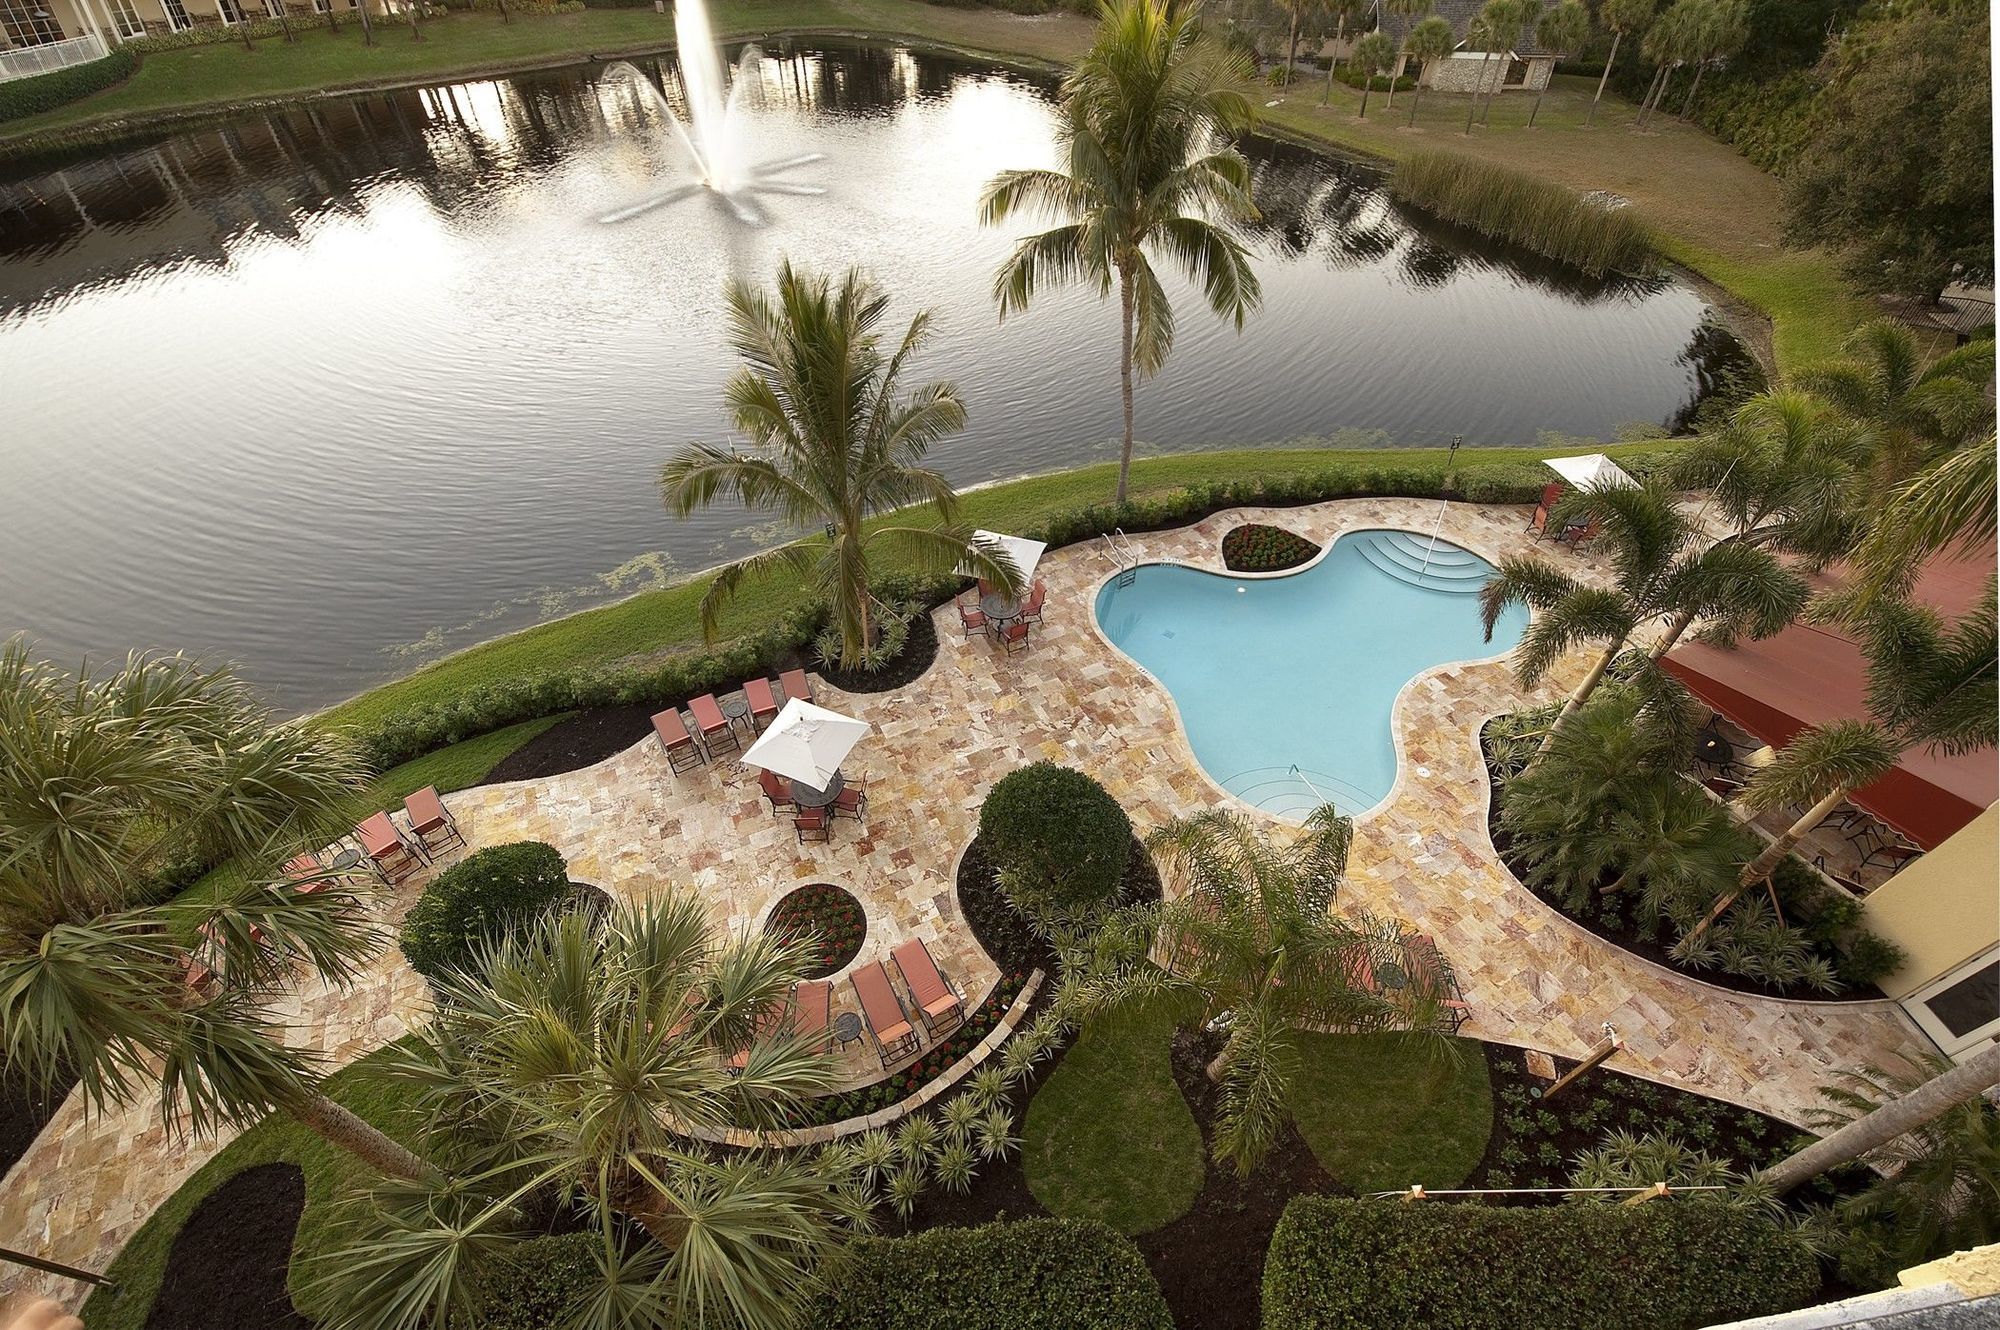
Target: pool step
[
  {"x": 1290, "y": 792},
  {"x": 1409, "y": 559}
]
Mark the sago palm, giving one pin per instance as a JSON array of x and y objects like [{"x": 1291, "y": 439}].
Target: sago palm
[
  {"x": 1914, "y": 409},
  {"x": 836, "y": 440},
  {"x": 1785, "y": 470},
  {"x": 1662, "y": 567},
  {"x": 1146, "y": 172},
  {"x": 111, "y": 784},
  {"x": 1247, "y": 938},
  {"x": 585, "y": 1069}
]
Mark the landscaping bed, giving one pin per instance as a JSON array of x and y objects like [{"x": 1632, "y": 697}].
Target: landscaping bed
[
  {"x": 832, "y": 917},
  {"x": 228, "y": 1263},
  {"x": 906, "y": 667},
  {"x": 1003, "y": 934},
  {"x": 1256, "y": 548},
  {"x": 581, "y": 740}
]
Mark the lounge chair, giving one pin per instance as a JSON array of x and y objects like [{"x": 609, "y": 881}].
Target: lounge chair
[
  {"x": 936, "y": 1003},
  {"x": 796, "y": 685},
  {"x": 763, "y": 705},
  {"x": 969, "y": 619},
  {"x": 1013, "y": 637},
  {"x": 812, "y": 824},
  {"x": 306, "y": 874},
  {"x": 1538, "y": 525},
  {"x": 852, "y": 801},
  {"x": 805, "y": 1013},
  {"x": 1031, "y": 609},
  {"x": 430, "y": 822},
  {"x": 895, "y": 1038},
  {"x": 714, "y": 726},
  {"x": 778, "y": 790},
  {"x": 683, "y": 753},
  {"x": 394, "y": 857}
]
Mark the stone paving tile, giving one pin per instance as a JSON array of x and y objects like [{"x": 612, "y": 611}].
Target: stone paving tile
[{"x": 632, "y": 827}]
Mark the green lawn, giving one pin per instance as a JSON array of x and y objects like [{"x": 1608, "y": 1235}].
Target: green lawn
[
  {"x": 1380, "y": 1111},
  {"x": 1109, "y": 1136},
  {"x": 329, "y": 1171},
  {"x": 456, "y": 766}
]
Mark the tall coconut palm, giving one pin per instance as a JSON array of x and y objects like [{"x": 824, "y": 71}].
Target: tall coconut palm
[
  {"x": 1429, "y": 42},
  {"x": 1563, "y": 30},
  {"x": 1509, "y": 24},
  {"x": 1249, "y": 940},
  {"x": 1489, "y": 29},
  {"x": 1662, "y": 567},
  {"x": 592, "y": 1067},
  {"x": 1373, "y": 54},
  {"x": 1143, "y": 115},
  {"x": 1725, "y": 29},
  {"x": 1619, "y": 17},
  {"x": 110, "y": 784},
  {"x": 1341, "y": 11},
  {"x": 836, "y": 440},
  {"x": 1914, "y": 408}
]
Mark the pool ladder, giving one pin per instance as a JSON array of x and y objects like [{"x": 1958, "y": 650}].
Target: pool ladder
[{"x": 1119, "y": 547}]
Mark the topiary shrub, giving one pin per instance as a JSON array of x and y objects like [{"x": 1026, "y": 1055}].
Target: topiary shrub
[
  {"x": 539, "y": 1283},
  {"x": 1058, "y": 840},
  {"x": 1039, "y": 1274},
  {"x": 501, "y": 889},
  {"x": 1338, "y": 1264}
]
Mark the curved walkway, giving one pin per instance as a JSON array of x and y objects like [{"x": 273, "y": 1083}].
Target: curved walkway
[{"x": 630, "y": 826}]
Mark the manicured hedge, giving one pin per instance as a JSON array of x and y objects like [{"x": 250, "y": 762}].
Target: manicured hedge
[
  {"x": 1059, "y": 840},
  {"x": 1338, "y": 1264},
  {"x": 1039, "y": 1274},
  {"x": 45, "y": 92},
  {"x": 495, "y": 890}
]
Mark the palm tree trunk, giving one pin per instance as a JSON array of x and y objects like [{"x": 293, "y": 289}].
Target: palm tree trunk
[
  {"x": 1476, "y": 84},
  {"x": 1678, "y": 626},
  {"x": 1220, "y": 1062},
  {"x": 416, "y": 20},
  {"x": 243, "y": 29},
  {"x": 1292, "y": 51},
  {"x": 1591, "y": 117},
  {"x": 1898, "y": 1117},
  {"x": 1125, "y": 301},
  {"x": 1389, "y": 102},
  {"x": 332, "y": 23},
  {"x": 367, "y": 24},
  {"x": 1498, "y": 78},
  {"x": 1688, "y": 105},
  {"x": 1639, "y": 121},
  {"x": 1579, "y": 697},
  {"x": 505, "y": 17},
  {"x": 285, "y": 24},
  {"x": 1416, "y": 100},
  {"x": 340, "y": 1127},
  {"x": 1761, "y": 868},
  {"x": 1333, "y": 62},
  {"x": 1368, "y": 88}
]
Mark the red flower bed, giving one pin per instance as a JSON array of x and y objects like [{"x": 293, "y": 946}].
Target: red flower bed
[
  {"x": 1254, "y": 548},
  {"x": 831, "y": 919}
]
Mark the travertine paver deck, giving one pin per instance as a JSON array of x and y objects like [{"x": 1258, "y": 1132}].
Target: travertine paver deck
[{"x": 633, "y": 828}]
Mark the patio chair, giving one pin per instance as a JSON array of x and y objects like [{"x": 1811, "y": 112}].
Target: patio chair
[
  {"x": 970, "y": 620},
  {"x": 763, "y": 705},
  {"x": 804, "y": 1013},
  {"x": 812, "y": 824},
  {"x": 936, "y": 1003},
  {"x": 683, "y": 753},
  {"x": 1013, "y": 637},
  {"x": 778, "y": 790},
  {"x": 430, "y": 822},
  {"x": 852, "y": 801},
  {"x": 306, "y": 874},
  {"x": 1538, "y": 525},
  {"x": 1031, "y": 608},
  {"x": 985, "y": 587},
  {"x": 394, "y": 857},
  {"x": 895, "y": 1038},
  {"x": 714, "y": 726},
  {"x": 1578, "y": 534},
  {"x": 796, "y": 685}
]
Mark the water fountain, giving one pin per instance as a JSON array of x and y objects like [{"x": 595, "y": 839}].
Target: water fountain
[{"x": 714, "y": 105}]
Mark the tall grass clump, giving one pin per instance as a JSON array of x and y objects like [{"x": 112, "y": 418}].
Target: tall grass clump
[{"x": 1535, "y": 214}]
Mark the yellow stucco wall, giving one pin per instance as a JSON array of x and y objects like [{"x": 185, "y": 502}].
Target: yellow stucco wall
[{"x": 1944, "y": 908}]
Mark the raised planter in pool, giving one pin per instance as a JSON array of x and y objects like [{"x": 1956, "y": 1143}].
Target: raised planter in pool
[{"x": 1285, "y": 684}]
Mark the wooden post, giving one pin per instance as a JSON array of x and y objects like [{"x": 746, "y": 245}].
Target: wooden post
[
  {"x": 1605, "y": 1048},
  {"x": 1651, "y": 1193}
]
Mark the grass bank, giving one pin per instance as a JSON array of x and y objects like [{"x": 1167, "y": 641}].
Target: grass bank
[{"x": 1509, "y": 205}]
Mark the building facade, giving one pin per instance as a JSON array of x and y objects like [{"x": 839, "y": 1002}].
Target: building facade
[{"x": 40, "y": 22}]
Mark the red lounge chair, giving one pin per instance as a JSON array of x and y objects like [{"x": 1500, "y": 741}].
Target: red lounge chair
[
  {"x": 895, "y": 1037},
  {"x": 393, "y": 857},
  {"x": 971, "y": 620},
  {"x": 683, "y": 753},
  {"x": 778, "y": 790},
  {"x": 812, "y": 824},
  {"x": 1538, "y": 525},
  {"x": 985, "y": 587},
  {"x": 1014, "y": 637},
  {"x": 306, "y": 874},
  {"x": 807, "y": 1012},
  {"x": 430, "y": 822},
  {"x": 936, "y": 1003},
  {"x": 763, "y": 706},
  {"x": 714, "y": 726},
  {"x": 796, "y": 685},
  {"x": 1031, "y": 609}
]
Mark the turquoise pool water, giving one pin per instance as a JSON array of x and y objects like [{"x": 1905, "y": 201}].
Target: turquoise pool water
[{"x": 1285, "y": 684}]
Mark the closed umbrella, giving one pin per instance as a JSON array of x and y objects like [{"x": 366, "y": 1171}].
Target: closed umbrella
[{"x": 807, "y": 743}]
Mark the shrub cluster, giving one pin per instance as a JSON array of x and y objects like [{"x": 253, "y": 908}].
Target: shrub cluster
[
  {"x": 1038, "y": 1274},
  {"x": 1337, "y": 1264},
  {"x": 830, "y": 919},
  {"x": 540, "y": 1283},
  {"x": 498, "y": 890},
  {"x": 1255, "y": 548},
  {"x": 1358, "y": 81},
  {"x": 1538, "y": 215},
  {"x": 45, "y": 92},
  {"x": 215, "y": 34},
  {"x": 1059, "y": 840}
]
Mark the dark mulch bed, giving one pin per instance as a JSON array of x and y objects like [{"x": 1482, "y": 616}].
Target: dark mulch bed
[
  {"x": 919, "y": 650},
  {"x": 25, "y": 1109},
  {"x": 1257, "y": 548},
  {"x": 582, "y": 740},
  {"x": 1615, "y": 923},
  {"x": 227, "y": 1265},
  {"x": 834, "y": 918},
  {"x": 1001, "y": 930}
]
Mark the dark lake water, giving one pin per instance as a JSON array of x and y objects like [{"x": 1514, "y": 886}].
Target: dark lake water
[{"x": 330, "y": 391}]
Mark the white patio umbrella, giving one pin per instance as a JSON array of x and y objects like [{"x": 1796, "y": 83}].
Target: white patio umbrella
[
  {"x": 807, "y": 743},
  {"x": 1017, "y": 550},
  {"x": 1591, "y": 471}
]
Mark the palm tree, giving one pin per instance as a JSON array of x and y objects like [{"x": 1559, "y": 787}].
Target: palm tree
[
  {"x": 1726, "y": 28},
  {"x": 1950, "y": 507},
  {"x": 1295, "y": 10},
  {"x": 416, "y": 19},
  {"x": 1374, "y": 53},
  {"x": 1661, "y": 568},
  {"x": 1913, "y": 409},
  {"x": 1563, "y": 30},
  {"x": 1341, "y": 11},
  {"x": 1429, "y": 42},
  {"x": 1249, "y": 940},
  {"x": 590, "y": 1066},
  {"x": 1785, "y": 470},
  {"x": 836, "y": 440},
  {"x": 1141, "y": 116},
  {"x": 1673, "y": 41},
  {"x": 113, "y": 784},
  {"x": 1620, "y": 17},
  {"x": 1489, "y": 28},
  {"x": 1402, "y": 9},
  {"x": 1509, "y": 23}
]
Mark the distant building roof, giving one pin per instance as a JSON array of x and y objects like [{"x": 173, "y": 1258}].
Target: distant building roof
[{"x": 1458, "y": 13}]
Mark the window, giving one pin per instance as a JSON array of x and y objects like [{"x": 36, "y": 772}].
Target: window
[
  {"x": 177, "y": 15},
  {"x": 232, "y": 10},
  {"x": 275, "y": 8},
  {"x": 126, "y": 18},
  {"x": 29, "y": 22},
  {"x": 322, "y": 6}
]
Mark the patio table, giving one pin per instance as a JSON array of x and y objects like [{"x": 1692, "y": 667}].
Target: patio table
[
  {"x": 999, "y": 606},
  {"x": 805, "y": 796},
  {"x": 846, "y": 1029}
]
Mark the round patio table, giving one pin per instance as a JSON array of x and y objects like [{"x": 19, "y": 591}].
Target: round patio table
[
  {"x": 846, "y": 1029},
  {"x": 805, "y": 796},
  {"x": 999, "y": 606},
  {"x": 1715, "y": 750},
  {"x": 735, "y": 707}
]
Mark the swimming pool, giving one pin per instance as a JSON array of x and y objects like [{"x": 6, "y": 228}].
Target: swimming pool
[{"x": 1285, "y": 684}]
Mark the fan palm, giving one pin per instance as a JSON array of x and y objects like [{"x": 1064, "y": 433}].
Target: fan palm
[
  {"x": 1914, "y": 411},
  {"x": 1620, "y": 17},
  {"x": 1662, "y": 568},
  {"x": 1671, "y": 42},
  {"x": 1725, "y": 27},
  {"x": 591, "y": 1069},
  {"x": 112, "y": 784},
  {"x": 1143, "y": 116},
  {"x": 1785, "y": 470},
  {"x": 1249, "y": 940},
  {"x": 1430, "y": 41},
  {"x": 1563, "y": 30},
  {"x": 1410, "y": 9},
  {"x": 1374, "y": 54},
  {"x": 837, "y": 440},
  {"x": 1340, "y": 11}
]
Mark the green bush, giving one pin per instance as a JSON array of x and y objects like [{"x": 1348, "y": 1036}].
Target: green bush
[
  {"x": 1358, "y": 81},
  {"x": 45, "y": 92},
  {"x": 1039, "y": 1274},
  {"x": 1670, "y": 1265},
  {"x": 539, "y": 1283},
  {"x": 1867, "y": 958},
  {"x": 1059, "y": 841},
  {"x": 1536, "y": 214},
  {"x": 501, "y": 888},
  {"x": 216, "y": 34}
]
